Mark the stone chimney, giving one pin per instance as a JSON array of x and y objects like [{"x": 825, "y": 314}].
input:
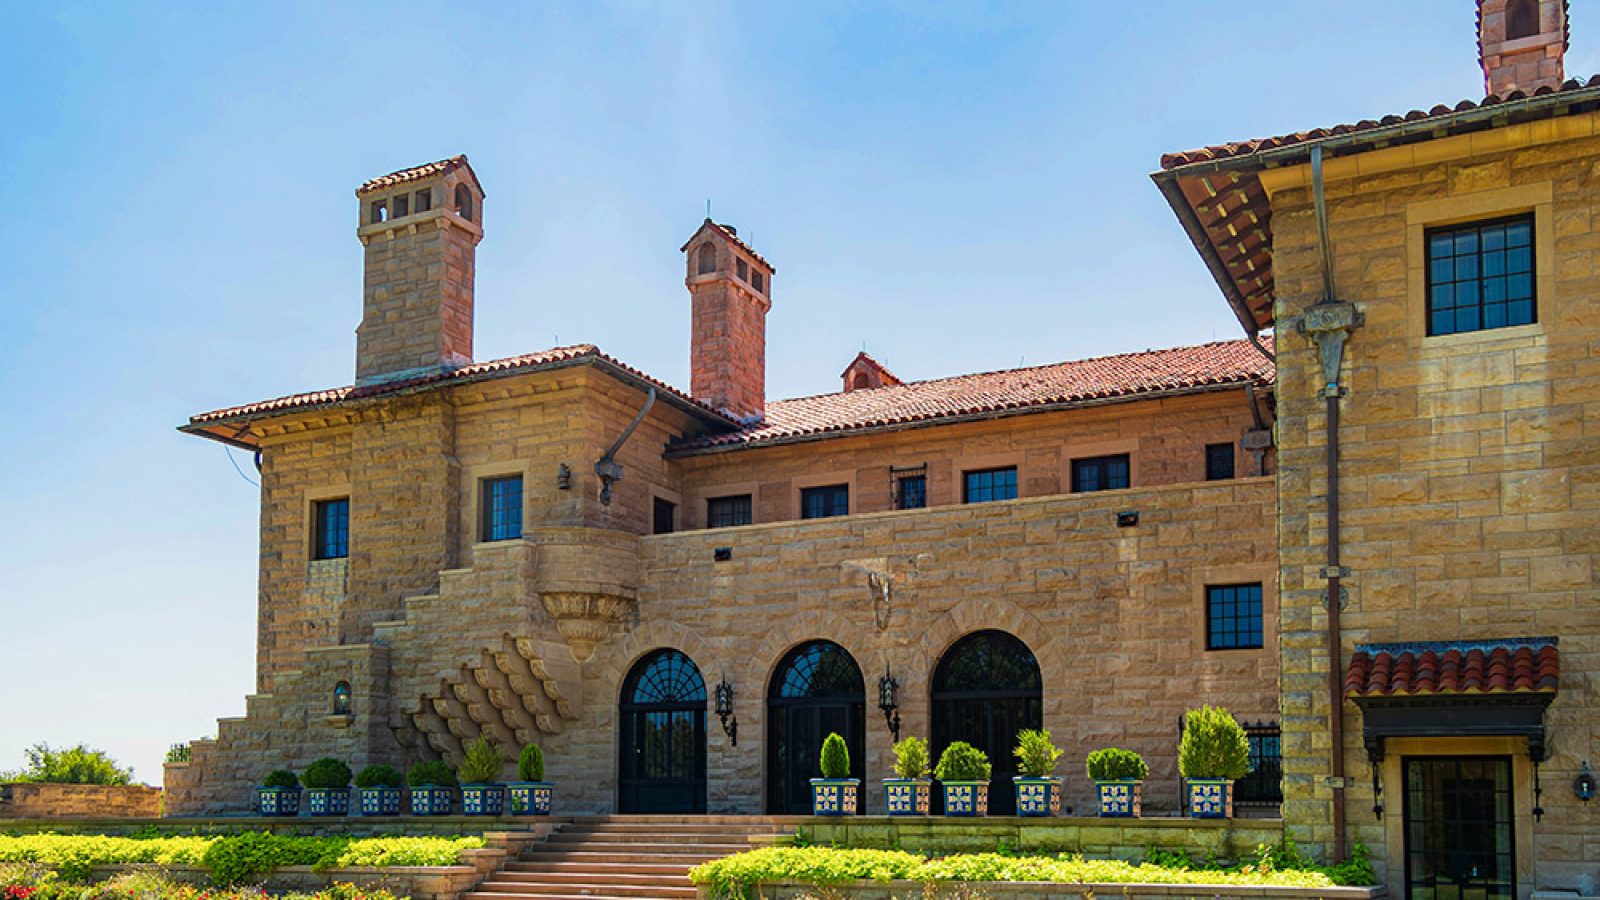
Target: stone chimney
[
  {"x": 864, "y": 373},
  {"x": 421, "y": 228},
  {"x": 1522, "y": 44},
  {"x": 730, "y": 287}
]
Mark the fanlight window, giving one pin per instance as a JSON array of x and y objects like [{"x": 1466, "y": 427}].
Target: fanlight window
[
  {"x": 818, "y": 669},
  {"x": 988, "y": 661},
  {"x": 667, "y": 677}
]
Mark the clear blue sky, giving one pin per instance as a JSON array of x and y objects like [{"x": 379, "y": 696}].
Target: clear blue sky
[{"x": 955, "y": 186}]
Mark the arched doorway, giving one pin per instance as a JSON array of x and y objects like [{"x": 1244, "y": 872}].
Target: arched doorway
[
  {"x": 816, "y": 689},
  {"x": 986, "y": 688},
  {"x": 662, "y": 716}
]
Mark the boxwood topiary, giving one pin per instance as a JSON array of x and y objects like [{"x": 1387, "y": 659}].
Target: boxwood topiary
[
  {"x": 281, "y": 778},
  {"x": 434, "y": 773},
  {"x": 1213, "y": 745},
  {"x": 379, "y": 775},
  {"x": 835, "y": 757},
  {"x": 1116, "y": 764},
  {"x": 530, "y": 764},
  {"x": 327, "y": 773},
  {"x": 962, "y": 762},
  {"x": 483, "y": 762}
]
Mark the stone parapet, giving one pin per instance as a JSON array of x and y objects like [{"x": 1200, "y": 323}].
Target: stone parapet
[{"x": 79, "y": 801}]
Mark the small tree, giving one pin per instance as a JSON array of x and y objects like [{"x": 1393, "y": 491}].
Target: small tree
[
  {"x": 327, "y": 773},
  {"x": 962, "y": 762},
  {"x": 911, "y": 758},
  {"x": 378, "y": 775},
  {"x": 530, "y": 764},
  {"x": 281, "y": 779},
  {"x": 74, "y": 765},
  {"x": 435, "y": 773},
  {"x": 1213, "y": 745},
  {"x": 1116, "y": 764},
  {"x": 483, "y": 762},
  {"x": 835, "y": 757},
  {"x": 1036, "y": 754}
]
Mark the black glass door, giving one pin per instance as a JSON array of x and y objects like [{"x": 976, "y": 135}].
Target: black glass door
[
  {"x": 986, "y": 689},
  {"x": 817, "y": 690},
  {"x": 663, "y": 739},
  {"x": 1460, "y": 840}
]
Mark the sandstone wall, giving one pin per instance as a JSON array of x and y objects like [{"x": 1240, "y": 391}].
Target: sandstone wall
[{"x": 79, "y": 801}]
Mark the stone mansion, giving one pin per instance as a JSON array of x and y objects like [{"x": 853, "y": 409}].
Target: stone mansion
[{"x": 679, "y": 593}]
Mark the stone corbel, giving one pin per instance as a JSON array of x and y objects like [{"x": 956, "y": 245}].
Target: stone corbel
[{"x": 585, "y": 619}]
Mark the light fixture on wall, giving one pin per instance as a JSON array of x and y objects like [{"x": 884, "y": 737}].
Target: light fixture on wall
[
  {"x": 889, "y": 702},
  {"x": 730, "y": 722},
  {"x": 1583, "y": 785},
  {"x": 341, "y": 699}
]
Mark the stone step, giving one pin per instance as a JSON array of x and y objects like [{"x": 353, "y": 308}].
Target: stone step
[
  {"x": 666, "y": 828},
  {"x": 650, "y": 837},
  {"x": 515, "y": 881},
  {"x": 578, "y": 856},
  {"x": 534, "y": 871}
]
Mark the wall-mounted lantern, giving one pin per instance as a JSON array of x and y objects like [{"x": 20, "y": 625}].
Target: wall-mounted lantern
[
  {"x": 341, "y": 699},
  {"x": 730, "y": 722},
  {"x": 1583, "y": 785},
  {"x": 889, "y": 702}
]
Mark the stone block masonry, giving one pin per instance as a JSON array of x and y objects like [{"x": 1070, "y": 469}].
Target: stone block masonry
[{"x": 79, "y": 801}]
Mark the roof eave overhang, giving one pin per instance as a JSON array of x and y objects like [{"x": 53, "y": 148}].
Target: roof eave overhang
[
  {"x": 235, "y": 431},
  {"x": 980, "y": 416},
  {"x": 1167, "y": 182}
]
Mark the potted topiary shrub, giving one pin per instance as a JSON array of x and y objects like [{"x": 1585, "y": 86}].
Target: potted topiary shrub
[
  {"x": 1213, "y": 754},
  {"x": 1118, "y": 777},
  {"x": 530, "y": 794},
  {"x": 1038, "y": 789},
  {"x": 433, "y": 788},
  {"x": 379, "y": 788},
  {"x": 835, "y": 793},
  {"x": 908, "y": 793},
  {"x": 279, "y": 794},
  {"x": 480, "y": 795},
  {"x": 327, "y": 784},
  {"x": 963, "y": 773}
]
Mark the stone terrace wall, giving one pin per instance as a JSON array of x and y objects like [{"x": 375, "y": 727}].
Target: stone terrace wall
[
  {"x": 79, "y": 801},
  {"x": 1126, "y": 839},
  {"x": 904, "y": 890}
]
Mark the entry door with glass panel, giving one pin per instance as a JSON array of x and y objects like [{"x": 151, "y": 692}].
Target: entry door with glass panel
[
  {"x": 1460, "y": 838},
  {"x": 663, "y": 741},
  {"x": 817, "y": 690}
]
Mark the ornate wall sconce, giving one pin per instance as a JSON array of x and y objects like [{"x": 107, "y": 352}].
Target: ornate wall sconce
[
  {"x": 730, "y": 722},
  {"x": 1583, "y": 785},
  {"x": 889, "y": 702},
  {"x": 341, "y": 699}
]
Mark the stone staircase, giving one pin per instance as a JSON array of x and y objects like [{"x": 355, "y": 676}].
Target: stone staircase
[{"x": 613, "y": 857}]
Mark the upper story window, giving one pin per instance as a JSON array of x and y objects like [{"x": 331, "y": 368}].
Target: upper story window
[
  {"x": 464, "y": 202},
  {"x": 1481, "y": 276},
  {"x": 911, "y": 492},
  {"x": 823, "y": 502},
  {"x": 722, "y": 512},
  {"x": 502, "y": 508},
  {"x": 664, "y": 516},
  {"x": 332, "y": 529},
  {"x": 983, "y": 485},
  {"x": 1219, "y": 462},
  {"x": 1233, "y": 617},
  {"x": 1522, "y": 19},
  {"x": 1100, "y": 473},
  {"x": 706, "y": 259}
]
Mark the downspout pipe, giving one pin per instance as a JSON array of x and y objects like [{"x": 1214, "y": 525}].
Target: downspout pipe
[{"x": 607, "y": 467}]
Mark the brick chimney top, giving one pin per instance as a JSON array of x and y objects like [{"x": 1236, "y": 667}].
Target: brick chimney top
[
  {"x": 865, "y": 372},
  {"x": 1522, "y": 44},
  {"x": 730, "y": 288}
]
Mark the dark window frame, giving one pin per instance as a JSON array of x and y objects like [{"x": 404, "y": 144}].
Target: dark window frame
[
  {"x": 987, "y": 485},
  {"x": 1264, "y": 784},
  {"x": 1481, "y": 280},
  {"x": 825, "y": 501},
  {"x": 1216, "y": 454},
  {"x": 491, "y": 494},
  {"x": 334, "y": 544},
  {"x": 658, "y": 506},
  {"x": 734, "y": 516},
  {"x": 911, "y": 492},
  {"x": 1103, "y": 470},
  {"x": 1235, "y": 617}
]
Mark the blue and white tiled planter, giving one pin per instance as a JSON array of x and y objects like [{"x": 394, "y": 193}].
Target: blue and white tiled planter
[
  {"x": 1038, "y": 796},
  {"x": 1210, "y": 798},
  {"x": 380, "y": 801},
  {"x": 531, "y": 798},
  {"x": 835, "y": 796},
  {"x": 966, "y": 798},
  {"x": 328, "y": 801},
  {"x": 1120, "y": 799},
  {"x": 907, "y": 796},
  {"x": 432, "y": 800},
  {"x": 482, "y": 799},
  {"x": 278, "y": 801}
]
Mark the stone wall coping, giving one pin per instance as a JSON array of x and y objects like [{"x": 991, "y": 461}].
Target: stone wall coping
[{"x": 1045, "y": 889}]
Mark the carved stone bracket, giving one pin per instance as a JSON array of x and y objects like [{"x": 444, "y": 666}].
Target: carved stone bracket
[
  {"x": 586, "y": 619},
  {"x": 885, "y": 575}
]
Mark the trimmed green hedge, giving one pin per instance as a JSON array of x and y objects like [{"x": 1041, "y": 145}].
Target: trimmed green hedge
[
  {"x": 732, "y": 876},
  {"x": 232, "y": 859}
]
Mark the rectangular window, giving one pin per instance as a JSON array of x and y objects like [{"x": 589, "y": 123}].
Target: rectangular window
[
  {"x": 1481, "y": 276},
  {"x": 984, "y": 485},
  {"x": 1264, "y": 784},
  {"x": 402, "y": 205},
  {"x": 722, "y": 512},
  {"x": 332, "y": 529},
  {"x": 1100, "y": 473},
  {"x": 911, "y": 492},
  {"x": 423, "y": 200},
  {"x": 1233, "y": 617},
  {"x": 1219, "y": 462},
  {"x": 664, "y": 516},
  {"x": 823, "y": 502},
  {"x": 502, "y": 508}
]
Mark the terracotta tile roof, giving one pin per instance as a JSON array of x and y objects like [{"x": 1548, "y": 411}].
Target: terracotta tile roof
[
  {"x": 1177, "y": 370},
  {"x": 415, "y": 173},
  {"x": 552, "y": 358},
  {"x": 1256, "y": 145},
  {"x": 732, "y": 234},
  {"x": 1454, "y": 667}
]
